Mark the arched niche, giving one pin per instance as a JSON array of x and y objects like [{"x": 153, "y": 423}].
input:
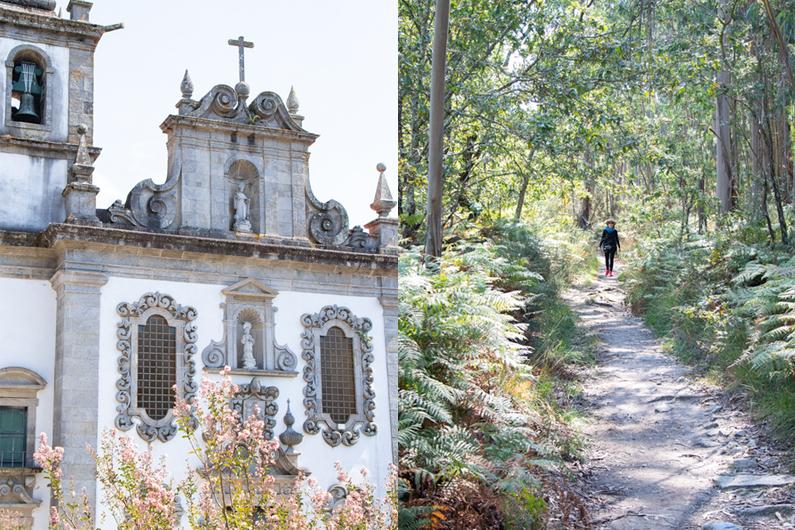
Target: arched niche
[{"x": 237, "y": 172}]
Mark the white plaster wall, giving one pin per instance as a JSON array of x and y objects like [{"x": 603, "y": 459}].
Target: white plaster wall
[
  {"x": 56, "y": 84},
  {"x": 31, "y": 190},
  {"x": 27, "y": 318},
  {"x": 373, "y": 453}
]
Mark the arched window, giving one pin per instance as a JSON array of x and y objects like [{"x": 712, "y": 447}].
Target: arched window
[
  {"x": 157, "y": 342},
  {"x": 339, "y": 392},
  {"x": 28, "y": 73}
]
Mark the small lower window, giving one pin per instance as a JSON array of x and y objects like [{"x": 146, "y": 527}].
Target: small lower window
[{"x": 13, "y": 436}]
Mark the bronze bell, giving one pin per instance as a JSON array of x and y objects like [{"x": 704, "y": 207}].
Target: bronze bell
[
  {"x": 27, "y": 85},
  {"x": 27, "y": 110}
]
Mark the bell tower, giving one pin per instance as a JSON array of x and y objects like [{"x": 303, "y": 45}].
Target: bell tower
[{"x": 47, "y": 108}]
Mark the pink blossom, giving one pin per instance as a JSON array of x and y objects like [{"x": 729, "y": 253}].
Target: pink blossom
[{"x": 231, "y": 485}]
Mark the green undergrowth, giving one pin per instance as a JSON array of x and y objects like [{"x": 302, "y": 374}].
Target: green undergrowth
[
  {"x": 723, "y": 302},
  {"x": 486, "y": 347}
]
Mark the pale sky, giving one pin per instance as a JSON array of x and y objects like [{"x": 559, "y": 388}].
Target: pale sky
[{"x": 341, "y": 56}]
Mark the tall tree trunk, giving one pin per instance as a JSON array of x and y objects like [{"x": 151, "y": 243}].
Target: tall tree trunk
[
  {"x": 784, "y": 164},
  {"x": 702, "y": 215},
  {"x": 433, "y": 237},
  {"x": 723, "y": 147},
  {"x": 767, "y": 135},
  {"x": 584, "y": 215},
  {"x": 525, "y": 182},
  {"x": 756, "y": 165},
  {"x": 723, "y": 170}
]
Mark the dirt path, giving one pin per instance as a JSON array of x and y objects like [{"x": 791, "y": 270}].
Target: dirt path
[{"x": 660, "y": 438}]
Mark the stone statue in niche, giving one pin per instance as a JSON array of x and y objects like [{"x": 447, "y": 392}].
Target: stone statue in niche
[
  {"x": 249, "y": 363},
  {"x": 250, "y": 301},
  {"x": 242, "y": 222}
]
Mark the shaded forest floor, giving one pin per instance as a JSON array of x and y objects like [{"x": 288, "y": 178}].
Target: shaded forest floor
[{"x": 666, "y": 448}]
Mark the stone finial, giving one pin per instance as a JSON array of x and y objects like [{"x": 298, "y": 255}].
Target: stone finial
[
  {"x": 290, "y": 436},
  {"x": 186, "y": 86},
  {"x": 292, "y": 102},
  {"x": 80, "y": 193},
  {"x": 186, "y": 105},
  {"x": 383, "y": 202},
  {"x": 83, "y": 158}
]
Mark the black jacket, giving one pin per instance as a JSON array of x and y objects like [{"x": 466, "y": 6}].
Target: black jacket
[{"x": 610, "y": 238}]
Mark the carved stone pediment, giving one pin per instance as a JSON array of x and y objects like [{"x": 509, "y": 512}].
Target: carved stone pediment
[
  {"x": 249, "y": 345},
  {"x": 226, "y": 103},
  {"x": 251, "y": 289},
  {"x": 20, "y": 382}
]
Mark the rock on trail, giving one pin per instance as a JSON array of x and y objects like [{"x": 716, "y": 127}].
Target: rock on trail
[{"x": 665, "y": 449}]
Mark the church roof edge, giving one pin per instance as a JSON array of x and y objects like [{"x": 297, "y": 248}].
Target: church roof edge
[
  {"x": 284, "y": 250},
  {"x": 44, "y": 20},
  {"x": 234, "y": 126}
]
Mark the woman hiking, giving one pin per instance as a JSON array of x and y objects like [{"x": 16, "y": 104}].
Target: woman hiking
[{"x": 610, "y": 245}]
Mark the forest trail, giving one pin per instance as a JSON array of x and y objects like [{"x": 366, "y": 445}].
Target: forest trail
[{"x": 666, "y": 450}]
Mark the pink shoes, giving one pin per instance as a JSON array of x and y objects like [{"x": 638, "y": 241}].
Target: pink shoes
[{"x": 608, "y": 273}]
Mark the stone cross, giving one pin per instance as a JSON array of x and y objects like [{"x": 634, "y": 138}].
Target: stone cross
[{"x": 241, "y": 43}]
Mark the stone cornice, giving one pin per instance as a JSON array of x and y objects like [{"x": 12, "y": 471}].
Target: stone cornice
[
  {"x": 19, "y": 239},
  {"x": 232, "y": 126},
  {"x": 86, "y": 281},
  {"x": 83, "y": 236},
  {"x": 45, "y": 148},
  {"x": 45, "y": 21}
]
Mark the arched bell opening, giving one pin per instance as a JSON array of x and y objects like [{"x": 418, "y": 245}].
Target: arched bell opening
[
  {"x": 28, "y": 88},
  {"x": 29, "y": 76}
]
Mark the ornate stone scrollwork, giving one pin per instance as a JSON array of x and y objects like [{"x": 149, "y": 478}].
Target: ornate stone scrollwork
[
  {"x": 321, "y": 417},
  {"x": 149, "y": 206},
  {"x": 220, "y": 102},
  {"x": 268, "y": 106},
  {"x": 338, "y": 492},
  {"x": 16, "y": 493},
  {"x": 180, "y": 319},
  {"x": 327, "y": 222},
  {"x": 357, "y": 239},
  {"x": 253, "y": 393},
  {"x": 249, "y": 325}
]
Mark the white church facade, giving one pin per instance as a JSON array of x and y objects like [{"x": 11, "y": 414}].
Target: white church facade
[{"x": 232, "y": 261}]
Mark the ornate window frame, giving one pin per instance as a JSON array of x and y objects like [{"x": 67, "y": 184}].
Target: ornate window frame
[
  {"x": 40, "y": 57},
  {"x": 137, "y": 313},
  {"x": 316, "y": 326}
]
